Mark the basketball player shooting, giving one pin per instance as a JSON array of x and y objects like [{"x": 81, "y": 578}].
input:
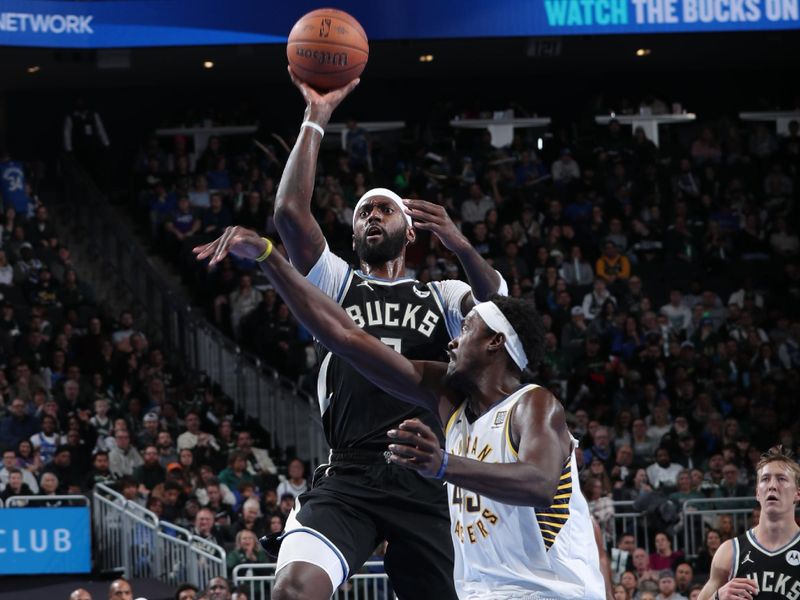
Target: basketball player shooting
[
  {"x": 359, "y": 499},
  {"x": 508, "y": 449},
  {"x": 765, "y": 560}
]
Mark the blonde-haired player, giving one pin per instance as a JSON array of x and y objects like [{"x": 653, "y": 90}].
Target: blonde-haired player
[{"x": 765, "y": 560}]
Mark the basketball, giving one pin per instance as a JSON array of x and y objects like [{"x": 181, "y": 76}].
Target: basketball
[{"x": 327, "y": 48}]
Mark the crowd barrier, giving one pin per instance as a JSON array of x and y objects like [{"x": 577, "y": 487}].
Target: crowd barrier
[
  {"x": 132, "y": 540},
  {"x": 369, "y": 584},
  {"x": 703, "y": 513},
  {"x": 289, "y": 414}
]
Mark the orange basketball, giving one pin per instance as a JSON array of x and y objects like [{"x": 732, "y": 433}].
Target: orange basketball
[{"x": 327, "y": 48}]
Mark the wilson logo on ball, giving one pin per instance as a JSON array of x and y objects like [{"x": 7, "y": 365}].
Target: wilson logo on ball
[{"x": 323, "y": 57}]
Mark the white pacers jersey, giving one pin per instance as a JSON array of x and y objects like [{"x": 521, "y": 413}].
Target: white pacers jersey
[{"x": 504, "y": 551}]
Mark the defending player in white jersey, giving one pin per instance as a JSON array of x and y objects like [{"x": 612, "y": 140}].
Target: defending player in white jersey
[{"x": 520, "y": 526}]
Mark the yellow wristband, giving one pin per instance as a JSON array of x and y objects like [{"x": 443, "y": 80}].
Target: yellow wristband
[{"x": 267, "y": 250}]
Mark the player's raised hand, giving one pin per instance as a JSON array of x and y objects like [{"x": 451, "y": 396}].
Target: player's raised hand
[
  {"x": 428, "y": 216},
  {"x": 319, "y": 106},
  {"x": 238, "y": 241},
  {"x": 417, "y": 448},
  {"x": 738, "y": 589}
]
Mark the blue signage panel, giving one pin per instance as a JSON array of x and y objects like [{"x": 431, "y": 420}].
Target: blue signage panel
[
  {"x": 45, "y": 540},
  {"x": 131, "y": 23}
]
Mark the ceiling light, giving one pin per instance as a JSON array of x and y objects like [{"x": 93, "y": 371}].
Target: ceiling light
[
  {"x": 643, "y": 52},
  {"x": 34, "y": 69},
  {"x": 426, "y": 58},
  {"x": 208, "y": 64}
]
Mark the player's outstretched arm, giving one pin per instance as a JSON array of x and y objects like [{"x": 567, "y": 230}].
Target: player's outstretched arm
[
  {"x": 328, "y": 322},
  {"x": 299, "y": 231},
  {"x": 538, "y": 420},
  {"x": 718, "y": 585},
  {"x": 483, "y": 279}
]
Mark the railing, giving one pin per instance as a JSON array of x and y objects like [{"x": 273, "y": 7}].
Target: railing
[
  {"x": 259, "y": 579},
  {"x": 703, "y": 513},
  {"x": 132, "y": 540},
  {"x": 289, "y": 414},
  {"x": 627, "y": 520},
  {"x": 32, "y": 501}
]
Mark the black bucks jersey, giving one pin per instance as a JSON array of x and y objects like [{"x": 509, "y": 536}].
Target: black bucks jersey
[
  {"x": 777, "y": 573},
  {"x": 414, "y": 319}
]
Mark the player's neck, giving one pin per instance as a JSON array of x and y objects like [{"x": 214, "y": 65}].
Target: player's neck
[
  {"x": 391, "y": 269},
  {"x": 772, "y": 533},
  {"x": 492, "y": 386}
]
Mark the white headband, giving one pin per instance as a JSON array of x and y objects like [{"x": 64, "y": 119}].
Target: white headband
[
  {"x": 497, "y": 322},
  {"x": 383, "y": 193}
]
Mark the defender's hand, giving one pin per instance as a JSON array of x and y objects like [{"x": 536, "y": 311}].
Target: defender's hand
[
  {"x": 239, "y": 241},
  {"x": 418, "y": 448}
]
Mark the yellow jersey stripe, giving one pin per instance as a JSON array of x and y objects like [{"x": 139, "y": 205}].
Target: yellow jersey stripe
[
  {"x": 562, "y": 496},
  {"x": 549, "y": 524},
  {"x": 452, "y": 419},
  {"x": 553, "y": 516},
  {"x": 565, "y": 486},
  {"x": 508, "y": 432},
  {"x": 565, "y": 476}
]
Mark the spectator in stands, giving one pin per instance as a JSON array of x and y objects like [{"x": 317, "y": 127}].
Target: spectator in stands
[
  {"x": 186, "y": 591},
  {"x": 17, "y": 425},
  {"x": 664, "y": 557},
  {"x": 148, "y": 435},
  {"x": 664, "y": 472},
  {"x": 644, "y": 570},
  {"x": 181, "y": 224},
  {"x": 193, "y": 436},
  {"x": 684, "y": 575},
  {"x": 685, "y": 490},
  {"x": 247, "y": 550},
  {"x": 150, "y": 473},
  {"x": 9, "y": 463},
  {"x": 565, "y": 169},
  {"x": 218, "y": 589},
  {"x": 296, "y": 483},
  {"x": 206, "y": 529},
  {"x": 601, "y": 447},
  {"x": 593, "y": 301},
  {"x": 120, "y": 589},
  {"x": 258, "y": 460},
  {"x": 167, "y": 452},
  {"x": 712, "y": 542},
  {"x": 250, "y": 518},
  {"x": 576, "y": 271},
  {"x": 61, "y": 466},
  {"x": 621, "y": 557},
  {"x": 236, "y": 471},
  {"x": 101, "y": 472},
  {"x": 243, "y": 300},
  {"x": 80, "y": 594},
  {"x": 612, "y": 266},
  {"x": 15, "y": 485},
  {"x": 476, "y": 205},
  {"x": 666, "y": 586},
  {"x": 123, "y": 458},
  {"x": 730, "y": 486},
  {"x": 49, "y": 486}
]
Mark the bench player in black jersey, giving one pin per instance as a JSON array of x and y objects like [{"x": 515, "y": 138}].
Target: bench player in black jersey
[
  {"x": 361, "y": 499},
  {"x": 765, "y": 561}
]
